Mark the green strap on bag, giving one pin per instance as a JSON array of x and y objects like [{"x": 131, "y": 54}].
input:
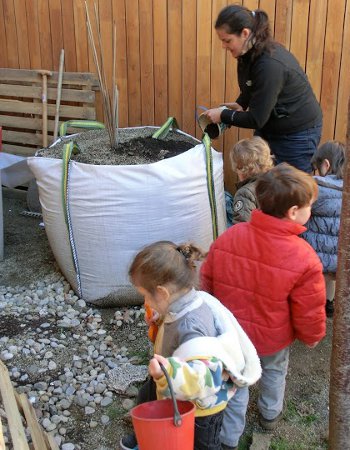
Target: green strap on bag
[
  {"x": 69, "y": 149},
  {"x": 163, "y": 131},
  {"x": 86, "y": 124},
  {"x": 210, "y": 184}
]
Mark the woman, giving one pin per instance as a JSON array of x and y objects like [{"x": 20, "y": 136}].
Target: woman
[{"x": 276, "y": 98}]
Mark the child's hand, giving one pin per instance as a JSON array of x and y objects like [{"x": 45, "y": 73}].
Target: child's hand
[
  {"x": 312, "y": 345},
  {"x": 151, "y": 315},
  {"x": 154, "y": 368}
]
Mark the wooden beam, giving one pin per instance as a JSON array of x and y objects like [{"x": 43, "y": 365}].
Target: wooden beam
[
  {"x": 13, "y": 416},
  {"x": 36, "y": 431},
  {"x": 2, "y": 441},
  {"x": 17, "y": 106},
  {"x": 18, "y": 137},
  {"x": 18, "y": 150},
  {"x": 32, "y": 76},
  {"x": 70, "y": 95}
]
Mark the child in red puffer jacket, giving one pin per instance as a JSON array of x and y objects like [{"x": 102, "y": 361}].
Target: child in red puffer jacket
[{"x": 271, "y": 280}]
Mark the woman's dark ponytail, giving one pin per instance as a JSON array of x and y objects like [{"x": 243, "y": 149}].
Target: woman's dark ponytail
[{"x": 261, "y": 31}]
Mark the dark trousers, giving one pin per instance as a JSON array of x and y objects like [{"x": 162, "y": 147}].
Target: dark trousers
[
  {"x": 207, "y": 432},
  {"x": 295, "y": 149},
  {"x": 147, "y": 392}
]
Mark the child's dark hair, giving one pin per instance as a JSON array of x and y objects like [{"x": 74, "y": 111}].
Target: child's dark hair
[
  {"x": 282, "y": 187},
  {"x": 334, "y": 151},
  {"x": 163, "y": 263},
  {"x": 233, "y": 18}
]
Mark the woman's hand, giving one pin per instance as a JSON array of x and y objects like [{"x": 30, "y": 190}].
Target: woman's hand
[
  {"x": 234, "y": 106},
  {"x": 214, "y": 114},
  {"x": 154, "y": 368}
]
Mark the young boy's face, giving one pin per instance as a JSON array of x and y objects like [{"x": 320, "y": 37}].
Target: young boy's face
[{"x": 302, "y": 214}]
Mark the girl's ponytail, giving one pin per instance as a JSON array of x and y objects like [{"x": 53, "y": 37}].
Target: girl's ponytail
[{"x": 165, "y": 263}]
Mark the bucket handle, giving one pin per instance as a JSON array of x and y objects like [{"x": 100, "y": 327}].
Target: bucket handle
[{"x": 177, "y": 415}]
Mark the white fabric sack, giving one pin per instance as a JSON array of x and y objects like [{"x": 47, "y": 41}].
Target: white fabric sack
[
  {"x": 117, "y": 210},
  {"x": 14, "y": 170}
]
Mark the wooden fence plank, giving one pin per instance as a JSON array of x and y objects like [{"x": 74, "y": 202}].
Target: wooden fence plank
[
  {"x": 133, "y": 55},
  {"x": 13, "y": 417},
  {"x": 91, "y": 8},
  {"x": 231, "y": 135},
  {"x": 45, "y": 34},
  {"x": 218, "y": 61},
  {"x": 55, "y": 14},
  {"x": 344, "y": 85},
  {"x": 16, "y": 106},
  {"x": 16, "y": 137},
  {"x": 299, "y": 31},
  {"x": 122, "y": 74},
  {"x": 189, "y": 43},
  {"x": 315, "y": 48},
  {"x": 245, "y": 133},
  {"x": 146, "y": 63},
  {"x": 71, "y": 95},
  {"x": 269, "y": 6},
  {"x": 160, "y": 43},
  {"x": 2, "y": 441},
  {"x": 174, "y": 58},
  {"x": 81, "y": 36},
  {"x": 3, "y": 45},
  {"x": 27, "y": 123},
  {"x": 204, "y": 26},
  {"x": 69, "y": 40},
  {"x": 106, "y": 30},
  {"x": 33, "y": 31},
  {"x": 331, "y": 64},
  {"x": 23, "y": 43},
  {"x": 283, "y": 21},
  {"x": 33, "y": 34},
  {"x": 24, "y": 123},
  {"x": 11, "y": 33},
  {"x": 19, "y": 150},
  {"x": 32, "y": 76},
  {"x": 36, "y": 432}
]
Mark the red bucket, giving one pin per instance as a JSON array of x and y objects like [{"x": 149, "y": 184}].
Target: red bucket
[{"x": 155, "y": 429}]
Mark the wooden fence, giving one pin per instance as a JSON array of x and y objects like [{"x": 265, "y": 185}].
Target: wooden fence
[{"x": 169, "y": 59}]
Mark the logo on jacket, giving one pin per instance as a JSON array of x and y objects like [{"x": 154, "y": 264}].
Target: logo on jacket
[
  {"x": 238, "y": 206},
  {"x": 249, "y": 82}
]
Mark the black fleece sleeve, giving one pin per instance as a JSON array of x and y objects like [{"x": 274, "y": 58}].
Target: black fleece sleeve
[{"x": 267, "y": 83}]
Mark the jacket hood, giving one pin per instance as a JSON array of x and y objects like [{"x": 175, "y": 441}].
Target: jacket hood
[{"x": 330, "y": 181}]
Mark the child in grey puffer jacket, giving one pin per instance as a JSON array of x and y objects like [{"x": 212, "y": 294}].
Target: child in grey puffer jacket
[
  {"x": 249, "y": 158},
  {"x": 323, "y": 226}
]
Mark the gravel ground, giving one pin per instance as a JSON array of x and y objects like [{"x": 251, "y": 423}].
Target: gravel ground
[
  {"x": 60, "y": 351},
  {"x": 65, "y": 354}
]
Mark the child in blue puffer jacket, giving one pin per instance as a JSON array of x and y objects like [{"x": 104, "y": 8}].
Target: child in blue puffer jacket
[{"x": 323, "y": 225}]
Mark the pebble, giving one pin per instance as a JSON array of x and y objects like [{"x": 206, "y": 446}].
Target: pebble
[{"x": 61, "y": 363}]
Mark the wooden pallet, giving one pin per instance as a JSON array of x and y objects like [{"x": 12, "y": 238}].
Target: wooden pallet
[
  {"x": 21, "y": 106},
  {"x": 17, "y": 405}
]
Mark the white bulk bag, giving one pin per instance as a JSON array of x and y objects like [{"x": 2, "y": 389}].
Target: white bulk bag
[{"x": 114, "y": 211}]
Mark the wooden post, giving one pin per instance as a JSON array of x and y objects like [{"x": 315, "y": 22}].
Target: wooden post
[
  {"x": 339, "y": 398},
  {"x": 13, "y": 416}
]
